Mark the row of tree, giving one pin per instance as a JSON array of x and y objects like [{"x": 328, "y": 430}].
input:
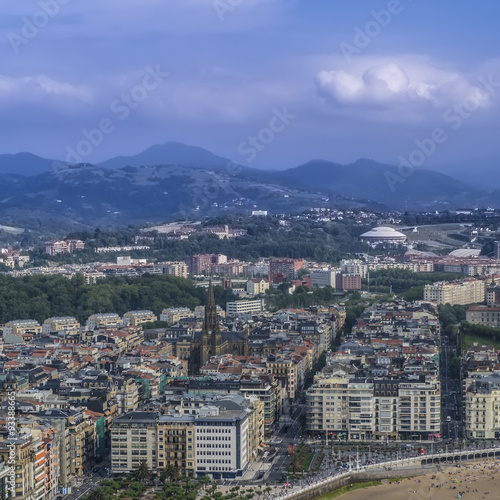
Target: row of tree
[{"x": 40, "y": 297}]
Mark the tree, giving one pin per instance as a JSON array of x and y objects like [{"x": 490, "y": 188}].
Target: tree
[
  {"x": 98, "y": 494},
  {"x": 143, "y": 473}
]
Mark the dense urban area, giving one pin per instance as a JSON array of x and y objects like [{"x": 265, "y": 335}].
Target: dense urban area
[{"x": 235, "y": 357}]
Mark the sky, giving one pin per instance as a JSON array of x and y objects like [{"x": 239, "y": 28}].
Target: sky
[{"x": 266, "y": 83}]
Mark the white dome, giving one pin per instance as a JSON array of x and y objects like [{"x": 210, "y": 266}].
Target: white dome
[{"x": 383, "y": 232}]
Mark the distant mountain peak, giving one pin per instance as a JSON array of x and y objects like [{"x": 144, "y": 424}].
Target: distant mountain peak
[{"x": 169, "y": 153}]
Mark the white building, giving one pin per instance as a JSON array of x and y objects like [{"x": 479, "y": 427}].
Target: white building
[
  {"x": 244, "y": 307},
  {"x": 325, "y": 277},
  {"x": 383, "y": 236}
]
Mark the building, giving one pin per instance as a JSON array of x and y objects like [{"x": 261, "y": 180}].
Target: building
[
  {"x": 464, "y": 292},
  {"x": 221, "y": 442},
  {"x": 325, "y": 277},
  {"x": 103, "y": 320},
  {"x": 202, "y": 263},
  {"x": 175, "y": 269},
  {"x": 482, "y": 402},
  {"x": 176, "y": 443},
  {"x": 213, "y": 342},
  {"x": 134, "y": 440},
  {"x": 496, "y": 250},
  {"x": 60, "y": 324},
  {"x": 135, "y": 318},
  {"x": 284, "y": 270},
  {"x": 244, "y": 307},
  {"x": 351, "y": 282},
  {"x": 484, "y": 315},
  {"x": 173, "y": 315},
  {"x": 21, "y": 331},
  {"x": 257, "y": 286},
  {"x": 383, "y": 236},
  {"x": 66, "y": 246},
  {"x": 354, "y": 266}
]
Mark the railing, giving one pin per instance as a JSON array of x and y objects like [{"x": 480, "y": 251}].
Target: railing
[{"x": 400, "y": 464}]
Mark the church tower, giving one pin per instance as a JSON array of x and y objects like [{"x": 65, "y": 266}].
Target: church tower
[{"x": 211, "y": 338}]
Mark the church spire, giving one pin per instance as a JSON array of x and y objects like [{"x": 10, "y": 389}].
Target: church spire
[{"x": 211, "y": 323}]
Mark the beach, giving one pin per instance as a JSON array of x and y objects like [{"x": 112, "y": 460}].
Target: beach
[{"x": 469, "y": 481}]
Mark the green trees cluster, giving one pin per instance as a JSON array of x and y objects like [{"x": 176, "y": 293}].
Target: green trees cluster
[
  {"x": 40, "y": 297},
  {"x": 302, "y": 297},
  {"x": 482, "y": 331},
  {"x": 450, "y": 317}
]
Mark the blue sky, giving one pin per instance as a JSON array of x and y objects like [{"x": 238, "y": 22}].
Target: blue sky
[{"x": 364, "y": 79}]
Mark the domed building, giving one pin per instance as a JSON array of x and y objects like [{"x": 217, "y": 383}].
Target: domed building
[{"x": 383, "y": 236}]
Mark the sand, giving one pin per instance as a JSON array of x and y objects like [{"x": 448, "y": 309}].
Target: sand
[{"x": 473, "y": 481}]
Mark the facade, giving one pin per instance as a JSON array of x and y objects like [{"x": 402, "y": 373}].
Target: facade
[
  {"x": 173, "y": 315},
  {"x": 351, "y": 282},
  {"x": 221, "y": 442},
  {"x": 175, "y": 269},
  {"x": 103, "y": 320},
  {"x": 482, "y": 414},
  {"x": 60, "y": 324},
  {"x": 354, "y": 266},
  {"x": 325, "y": 277},
  {"x": 202, "y": 263},
  {"x": 257, "y": 286},
  {"x": 244, "y": 307},
  {"x": 22, "y": 326},
  {"x": 284, "y": 270},
  {"x": 484, "y": 315},
  {"x": 66, "y": 246},
  {"x": 378, "y": 409},
  {"x": 136, "y": 318},
  {"x": 457, "y": 292},
  {"x": 134, "y": 440}
]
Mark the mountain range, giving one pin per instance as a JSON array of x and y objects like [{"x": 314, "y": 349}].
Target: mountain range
[{"x": 173, "y": 180}]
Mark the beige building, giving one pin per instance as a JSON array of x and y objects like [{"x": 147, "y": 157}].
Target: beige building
[
  {"x": 22, "y": 326},
  {"x": 175, "y": 269},
  {"x": 135, "y": 318},
  {"x": 104, "y": 320},
  {"x": 482, "y": 413},
  {"x": 173, "y": 315},
  {"x": 134, "y": 440},
  {"x": 60, "y": 324},
  {"x": 457, "y": 292},
  {"x": 176, "y": 443},
  {"x": 257, "y": 286}
]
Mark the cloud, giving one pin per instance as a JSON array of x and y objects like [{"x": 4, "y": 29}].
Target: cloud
[
  {"x": 389, "y": 83},
  {"x": 39, "y": 87}
]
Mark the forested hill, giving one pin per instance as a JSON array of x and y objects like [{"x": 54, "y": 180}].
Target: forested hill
[{"x": 42, "y": 297}]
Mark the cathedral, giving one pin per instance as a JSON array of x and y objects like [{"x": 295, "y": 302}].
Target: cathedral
[{"x": 211, "y": 341}]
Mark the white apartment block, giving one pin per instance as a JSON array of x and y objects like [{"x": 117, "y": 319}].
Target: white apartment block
[
  {"x": 22, "y": 326},
  {"x": 244, "y": 307},
  {"x": 460, "y": 292},
  {"x": 354, "y": 266},
  {"x": 360, "y": 409}
]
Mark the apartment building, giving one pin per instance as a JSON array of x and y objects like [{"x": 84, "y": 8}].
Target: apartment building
[
  {"x": 351, "y": 281},
  {"x": 325, "y": 277},
  {"x": 363, "y": 409},
  {"x": 173, "y": 315},
  {"x": 284, "y": 270},
  {"x": 457, "y": 292},
  {"x": 175, "y": 269},
  {"x": 60, "y": 324},
  {"x": 65, "y": 246},
  {"x": 134, "y": 440},
  {"x": 103, "y": 320},
  {"x": 482, "y": 403},
  {"x": 135, "y": 318},
  {"x": 21, "y": 327},
  {"x": 176, "y": 443},
  {"x": 354, "y": 267}
]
